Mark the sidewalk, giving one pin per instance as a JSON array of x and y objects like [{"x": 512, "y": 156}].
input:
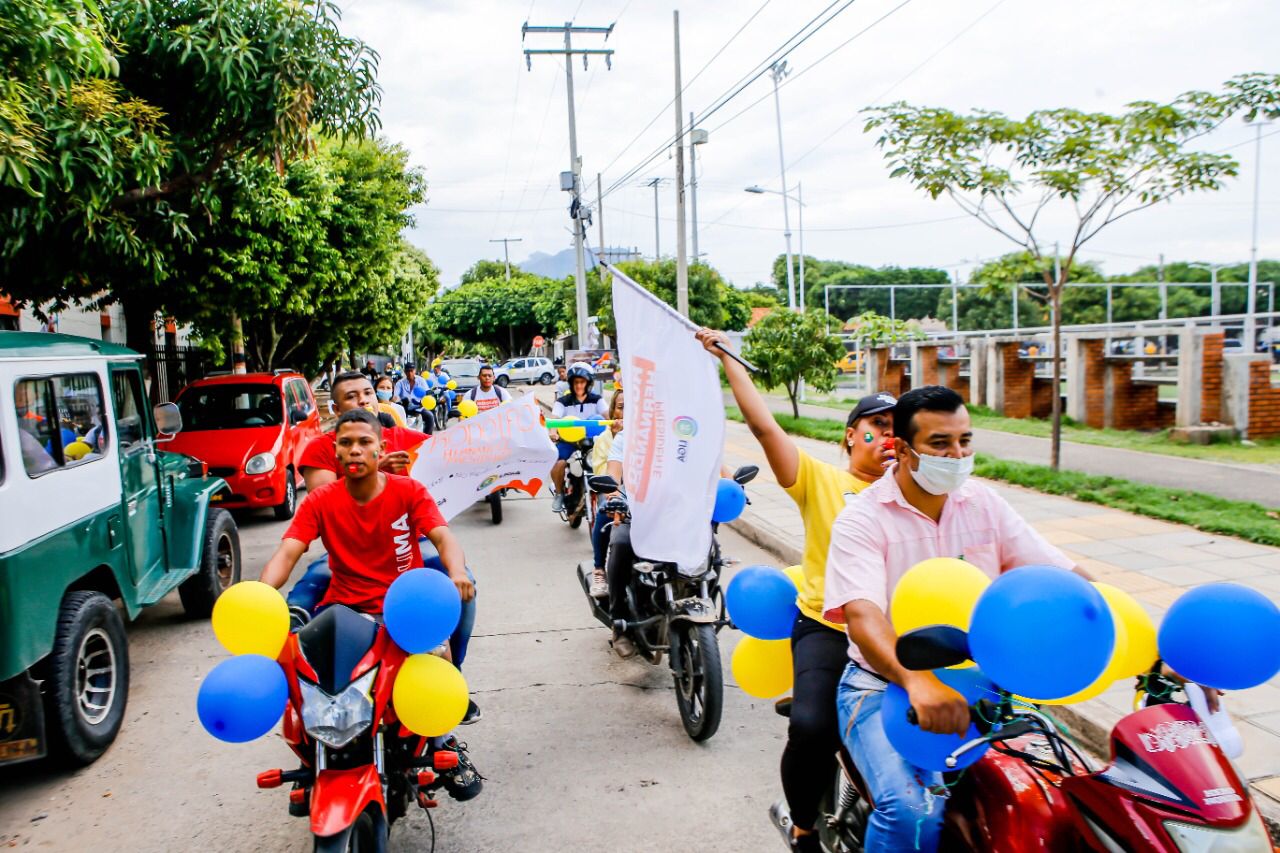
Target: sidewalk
[
  {"x": 1153, "y": 560},
  {"x": 1256, "y": 483}
]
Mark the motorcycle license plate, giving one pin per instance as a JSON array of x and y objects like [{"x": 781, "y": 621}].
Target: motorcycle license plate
[{"x": 21, "y": 720}]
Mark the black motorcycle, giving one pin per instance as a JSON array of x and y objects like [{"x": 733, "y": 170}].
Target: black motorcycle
[
  {"x": 576, "y": 503},
  {"x": 671, "y": 609}
]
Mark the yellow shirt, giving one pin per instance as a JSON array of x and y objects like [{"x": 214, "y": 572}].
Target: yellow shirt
[
  {"x": 821, "y": 491},
  {"x": 599, "y": 458}
]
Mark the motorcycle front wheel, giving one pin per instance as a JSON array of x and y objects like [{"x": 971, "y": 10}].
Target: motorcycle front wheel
[
  {"x": 360, "y": 837},
  {"x": 695, "y": 664},
  {"x": 574, "y": 507}
]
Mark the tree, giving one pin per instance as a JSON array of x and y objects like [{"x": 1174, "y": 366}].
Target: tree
[
  {"x": 874, "y": 296},
  {"x": 788, "y": 346},
  {"x": 1097, "y": 168},
  {"x": 712, "y": 301},
  {"x": 875, "y": 330},
  {"x": 118, "y": 118},
  {"x": 505, "y": 315}
]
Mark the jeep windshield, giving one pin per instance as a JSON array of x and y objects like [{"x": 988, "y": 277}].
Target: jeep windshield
[{"x": 230, "y": 407}]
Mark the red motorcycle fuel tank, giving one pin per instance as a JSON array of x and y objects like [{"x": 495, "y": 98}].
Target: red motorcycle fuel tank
[
  {"x": 1165, "y": 768},
  {"x": 1004, "y": 805}
]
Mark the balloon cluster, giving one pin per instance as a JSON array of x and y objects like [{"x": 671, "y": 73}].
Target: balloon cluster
[
  {"x": 244, "y": 697},
  {"x": 1050, "y": 637},
  {"x": 761, "y": 601}
]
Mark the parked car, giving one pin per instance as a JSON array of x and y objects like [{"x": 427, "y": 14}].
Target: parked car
[
  {"x": 250, "y": 428},
  {"x": 92, "y": 511},
  {"x": 849, "y": 363},
  {"x": 464, "y": 371},
  {"x": 531, "y": 370}
]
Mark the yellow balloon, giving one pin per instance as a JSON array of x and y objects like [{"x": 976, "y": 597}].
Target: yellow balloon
[
  {"x": 763, "y": 668},
  {"x": 428, "y": 402},
  {"x": 940, "y": 591},
  {"x": 430, "y": 695},
  {"x": 796, "y": 573},
  {"x": 436, "y": 362},
  {"x": 77, "y": 450},
  {"x": 251, "y": 618},
  {"x": 468, "y": 408},
  {"x": 573, "y": 433},
  {"x": 452, "y": 385},
  {"x": 1127, "y": 653}
]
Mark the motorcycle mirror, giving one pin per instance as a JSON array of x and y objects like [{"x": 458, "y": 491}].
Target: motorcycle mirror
[
  {"x": 745, "y": 474},
  {"x": 933, "y": 647},
  {"x": 602, "y": 483}
]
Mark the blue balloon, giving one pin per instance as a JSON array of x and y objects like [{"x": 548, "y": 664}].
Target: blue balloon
[
  {"x": 449, "y": 395},
  {"x": 761, "y": 600},
  {"x": 421, "y": 610},
  {"x": 242, "y": 698},
  {"x": 927, "y": 750},
  {"x": 1042, "y": 632},
  {"x": 594, "y": 428},
  {"x": 731, "y": 499},
  {"x": 1222, "y": 635},
  {"x": 419, "y": 392}
]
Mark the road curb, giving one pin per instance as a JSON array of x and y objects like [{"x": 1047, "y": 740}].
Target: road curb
[{"x": 1089, "y": 731}]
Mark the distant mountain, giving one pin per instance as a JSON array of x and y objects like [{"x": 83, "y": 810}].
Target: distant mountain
[{"x": 561, "y": 264}]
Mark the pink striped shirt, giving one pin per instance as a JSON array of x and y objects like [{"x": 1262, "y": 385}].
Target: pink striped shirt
[{"x": 879, "y": 536}]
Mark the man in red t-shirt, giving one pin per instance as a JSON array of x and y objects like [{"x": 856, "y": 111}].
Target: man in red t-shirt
[
  {"x": 369, "y": 522},
  {"x": 319, "y": 461}
]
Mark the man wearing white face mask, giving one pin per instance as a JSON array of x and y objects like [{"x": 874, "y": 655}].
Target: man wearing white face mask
[{"x": 925, "y": 506}]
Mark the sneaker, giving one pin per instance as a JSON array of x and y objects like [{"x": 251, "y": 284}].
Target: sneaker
[
  {"x": 599, "y": 584},
  {"x": 473, "y": 713},
  {"x": 557, "y": 503},
  {"x": 463, "y": 782},
  {"x": 624, "y": 647}
]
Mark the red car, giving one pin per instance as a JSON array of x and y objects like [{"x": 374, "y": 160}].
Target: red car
[{"x": 250, "y": 429}]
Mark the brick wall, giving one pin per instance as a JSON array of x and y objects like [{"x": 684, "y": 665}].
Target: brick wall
[
  {"x": 1042, "y": 397},
  {"x": 1018, "y": 374},
  {"x": 1135, "y": 405},
  {"x": 927, "y": 357},
  {"x": 1211, "y": 379},
  {"x": 891, "y": 374},
  {"x": 949, "y": 375},
  {"x": 1095, "y": 382},
  {"x": 1264, "y": 402}
]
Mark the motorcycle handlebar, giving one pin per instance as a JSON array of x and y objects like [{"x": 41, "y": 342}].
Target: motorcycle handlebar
[{"x": 983, "y": 714}]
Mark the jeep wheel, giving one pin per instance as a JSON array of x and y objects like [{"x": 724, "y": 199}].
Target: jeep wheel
[
  {"x": 546, "y": 379},
  {"x": 285, "y": 510},
  {"x": 219, "y": 565},
  {"x": 88, "y": 677},
  {"x": 503, "y": 381}
]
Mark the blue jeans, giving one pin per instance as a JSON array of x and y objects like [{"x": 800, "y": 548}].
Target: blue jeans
[
  {"x": 314, "y": 583},
  {"x": 600, "y": 537},
  {"x": 907, "y": 814}
]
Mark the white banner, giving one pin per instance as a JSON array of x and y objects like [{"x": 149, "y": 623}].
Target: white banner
[
  {"x": 674, "y": 426},
  {"x": 505, "y": 447}
]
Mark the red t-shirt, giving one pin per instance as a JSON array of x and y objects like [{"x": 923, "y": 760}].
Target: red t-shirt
[
  {"x": 369, "y": 546},
  {"x": 320, "y": 451}
]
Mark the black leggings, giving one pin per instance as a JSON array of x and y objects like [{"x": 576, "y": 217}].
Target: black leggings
[{"x": 820, "y": 655}]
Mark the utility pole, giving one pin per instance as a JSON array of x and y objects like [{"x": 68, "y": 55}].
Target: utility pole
[
  {"x": 600, "y": 221},
  {"x": 1251, "y": 303},
  {"x": 506, "y": 251},
  {"x": 779, "y": 71},
  {"x": 1164, "y": 288},
  {"x": 682, "y": 262},
  {"x": 580, "y": 215},
  {"x": 657, "y": 234},
  {"x": 696, "y": 137}
]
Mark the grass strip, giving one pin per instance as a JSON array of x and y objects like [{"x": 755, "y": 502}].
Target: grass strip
[{"x": 1209, "y": 513}]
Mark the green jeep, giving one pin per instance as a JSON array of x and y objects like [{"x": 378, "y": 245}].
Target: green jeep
[{"x": 90, "y": 512}]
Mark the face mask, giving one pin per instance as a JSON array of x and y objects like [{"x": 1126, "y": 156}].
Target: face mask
[
  {"x": 384, "y": 395},
  {"x": 941, "y": 475}
]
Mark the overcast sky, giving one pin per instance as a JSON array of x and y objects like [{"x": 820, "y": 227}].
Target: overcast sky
[{"x": 493, "y": 136}]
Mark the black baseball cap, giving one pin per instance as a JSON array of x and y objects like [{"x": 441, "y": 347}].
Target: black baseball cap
[{"x": 870, "y": 405}]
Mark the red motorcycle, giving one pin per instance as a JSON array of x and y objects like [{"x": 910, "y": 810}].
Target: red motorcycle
[
  {"x": 360, "y": 768},
  {"x": 1168, "y": 787}
]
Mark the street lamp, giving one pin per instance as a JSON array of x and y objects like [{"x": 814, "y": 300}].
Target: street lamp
[
  {"x": 798, "y": 198},
  {"x": 779, "y": 71}
]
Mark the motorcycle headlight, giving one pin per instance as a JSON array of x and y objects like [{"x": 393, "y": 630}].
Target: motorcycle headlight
[
  {"x": 260, "y": 464},
  {"x": 695, "y": 571},
  {"x": 336, "y": 720},
  {"x": 1249, "y": 837}
]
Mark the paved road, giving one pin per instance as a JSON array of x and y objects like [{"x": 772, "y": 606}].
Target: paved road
[
  {"x": 582, "y": 751},
  {"x": 1259, "y": 483}
]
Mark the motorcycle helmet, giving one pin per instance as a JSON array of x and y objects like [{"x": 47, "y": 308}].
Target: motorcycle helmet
[{"x": 580, "y": 369}]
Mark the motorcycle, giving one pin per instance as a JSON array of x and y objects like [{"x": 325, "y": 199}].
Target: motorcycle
[
  {"x": 672, "y": 609},
  {"x": 1168, "y": 786},
  {"x": 360, "y": 769},
  {"x": 576, "y": 503}
]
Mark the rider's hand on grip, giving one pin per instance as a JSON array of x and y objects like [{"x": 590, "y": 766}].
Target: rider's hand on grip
[{"x": 937, "y": 707}]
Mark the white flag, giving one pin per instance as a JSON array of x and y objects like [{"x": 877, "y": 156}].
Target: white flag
[
  {"x": 674, "y": 426},
  {"x": 505, "y": 447}
]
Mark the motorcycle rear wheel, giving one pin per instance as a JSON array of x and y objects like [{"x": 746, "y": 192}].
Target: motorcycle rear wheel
[
  {"x": 845, "y": 837},
  {"x": 699, "y": 682}
]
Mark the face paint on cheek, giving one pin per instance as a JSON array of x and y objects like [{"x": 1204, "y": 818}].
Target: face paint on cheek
[{"x": 868, "y": 437}]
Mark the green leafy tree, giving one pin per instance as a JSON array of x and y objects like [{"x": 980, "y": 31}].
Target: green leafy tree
[
  {"x": 876, "y": 330},
  {"x": 788, "y": 346},
  {"x": 505, "y": 315},
  {"x": 1097, "y": 168},
  {"x": 118, "y": 118},
  {"x": 907, "y": 302}
]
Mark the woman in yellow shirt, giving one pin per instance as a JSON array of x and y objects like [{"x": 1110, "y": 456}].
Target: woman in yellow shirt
[{"x": 819, "y": 648}]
